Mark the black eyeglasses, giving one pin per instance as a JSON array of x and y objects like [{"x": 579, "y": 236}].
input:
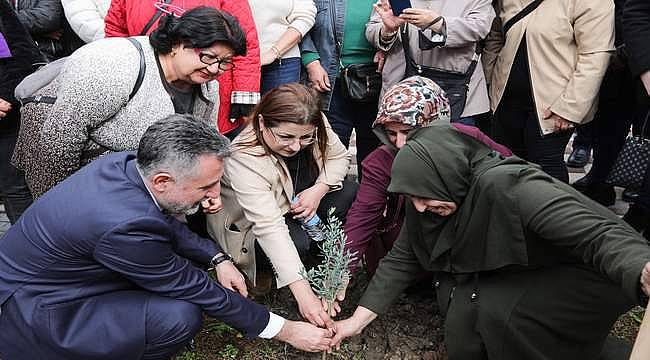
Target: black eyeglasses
[{"x": 209, "y": 59}]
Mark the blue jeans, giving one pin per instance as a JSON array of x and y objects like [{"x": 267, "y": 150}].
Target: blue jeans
[
  {"x": 345, "y": 115},
  {"x": 280, "y": 72}
]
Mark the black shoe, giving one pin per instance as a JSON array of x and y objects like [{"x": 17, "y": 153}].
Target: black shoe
[
  {"x": 579, "y": 156},
  {"x": 630, "y": 195}
]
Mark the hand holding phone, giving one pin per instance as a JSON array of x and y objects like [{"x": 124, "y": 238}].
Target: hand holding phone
[
  {"x": 391, "y": 23},
  {"x": 398, "y": 6}
]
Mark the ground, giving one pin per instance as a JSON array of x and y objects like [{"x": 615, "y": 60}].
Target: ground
[{"x": 412, "y": 329}]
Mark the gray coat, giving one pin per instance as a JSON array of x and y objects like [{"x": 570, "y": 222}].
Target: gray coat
[
  {"x": 92, "y": 114},
  {"x": 467, "y": 21}
]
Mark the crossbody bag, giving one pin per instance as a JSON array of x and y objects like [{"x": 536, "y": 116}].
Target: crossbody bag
[
  {"x": 454, "y": 83},
  {"x": 360, "y": 82}
]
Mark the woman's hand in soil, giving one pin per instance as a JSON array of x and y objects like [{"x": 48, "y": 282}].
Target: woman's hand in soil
[
  {"x": 352, "y": 326},
  {"x": 308, "y": 201},
  {"x": 305, "y": 336},
  {"x": 344, "y": 329},
  {"x": 309, "y": 305}
]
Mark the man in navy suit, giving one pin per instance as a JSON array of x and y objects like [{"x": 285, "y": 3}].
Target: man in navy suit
[{"x": 100, "y": 267}]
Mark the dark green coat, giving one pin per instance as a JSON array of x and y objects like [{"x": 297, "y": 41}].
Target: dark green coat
[{"x": 527, "y": 268}]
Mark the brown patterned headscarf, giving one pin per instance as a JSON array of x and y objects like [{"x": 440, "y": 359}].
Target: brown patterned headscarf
[{"x": 415, "y": 101}]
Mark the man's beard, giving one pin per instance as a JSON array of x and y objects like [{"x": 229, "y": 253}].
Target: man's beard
[{"x": 175, "y": 208}]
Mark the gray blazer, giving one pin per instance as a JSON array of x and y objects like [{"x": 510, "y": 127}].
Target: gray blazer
[
  {"x": 467, "y": 21},
  {"x": 92, "y": 114}
]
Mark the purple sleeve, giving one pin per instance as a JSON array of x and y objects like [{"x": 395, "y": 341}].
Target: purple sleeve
[
  {"x": 480, "y": 136},
  {"x": 366, "y": 213}
]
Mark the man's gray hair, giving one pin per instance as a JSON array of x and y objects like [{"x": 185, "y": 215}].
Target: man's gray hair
[{"x": 173, "y": 144}]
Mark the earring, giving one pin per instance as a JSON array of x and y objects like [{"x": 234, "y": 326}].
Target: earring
[{"x": 173, "y": 53}]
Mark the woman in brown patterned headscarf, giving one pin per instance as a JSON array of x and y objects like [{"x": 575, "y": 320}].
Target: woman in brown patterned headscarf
[{"x": 374, "y": 220}]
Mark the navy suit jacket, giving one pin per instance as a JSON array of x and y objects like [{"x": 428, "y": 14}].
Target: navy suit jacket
[{"x": 99, "y": 232}]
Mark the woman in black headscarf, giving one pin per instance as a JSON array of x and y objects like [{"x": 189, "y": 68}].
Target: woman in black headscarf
[{"x": 526, "y": 267}]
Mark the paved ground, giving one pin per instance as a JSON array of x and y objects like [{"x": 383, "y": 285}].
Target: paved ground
[
  {"x": 4, "y": 222},
  {"x": 574, "y": 174}
]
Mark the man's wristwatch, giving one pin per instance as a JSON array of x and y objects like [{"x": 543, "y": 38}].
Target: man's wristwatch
[{"x": 219, "y": 258}]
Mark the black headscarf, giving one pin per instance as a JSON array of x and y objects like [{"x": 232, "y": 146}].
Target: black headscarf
[{"x": 442, "y": 163}]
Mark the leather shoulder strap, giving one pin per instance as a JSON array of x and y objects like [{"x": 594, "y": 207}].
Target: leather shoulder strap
[
  {"x": 153, "y": 20},
  {"x": 143, "y": 67},
  {"x": 520, "y": 15}
]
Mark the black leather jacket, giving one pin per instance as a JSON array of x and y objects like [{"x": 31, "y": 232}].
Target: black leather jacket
[{"x": 42, "y": 18}]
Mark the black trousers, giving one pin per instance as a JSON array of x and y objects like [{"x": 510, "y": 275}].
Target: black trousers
[
  {"x": 341, "y": 200},
  {"x": 584, "y": 135},
  {"x": 345, "y": 115},
  {"x": 518, "y": 128},
  {"x": 619, "y": 106},
  {"x": 13, "y": 190}
]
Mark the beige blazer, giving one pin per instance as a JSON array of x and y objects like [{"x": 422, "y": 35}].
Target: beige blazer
[
  {"x": 467, "y": 22},
  {"x": 569, "y": 44},
  {"x": 256, "y": 190}
]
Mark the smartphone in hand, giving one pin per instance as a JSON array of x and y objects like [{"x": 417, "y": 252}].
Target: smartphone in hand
[{"x": 399, "y": 5}]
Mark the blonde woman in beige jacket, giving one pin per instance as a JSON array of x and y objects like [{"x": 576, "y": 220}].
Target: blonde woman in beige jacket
[
  {"x": 287, "y": 151},
  {"x": 545, "y": 74}
]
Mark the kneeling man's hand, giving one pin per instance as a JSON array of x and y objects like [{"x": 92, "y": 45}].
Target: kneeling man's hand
[
  {"x": 212, "y": 206},
  {"x": 229, "y": 277},
  {"x": 305, "y": 336}
]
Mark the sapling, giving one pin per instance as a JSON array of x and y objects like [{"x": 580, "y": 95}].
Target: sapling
[{"x": 331, "y": 276}]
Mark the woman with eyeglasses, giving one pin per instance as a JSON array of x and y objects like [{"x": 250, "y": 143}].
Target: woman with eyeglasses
[
  {"x": 239, "y": 89},
  {"x": 104, "y": 98},
  {"x": 286, "y": 166}
]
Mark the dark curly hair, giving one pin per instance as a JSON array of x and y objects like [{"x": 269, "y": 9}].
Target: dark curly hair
[{"x": 200, "y": 27}]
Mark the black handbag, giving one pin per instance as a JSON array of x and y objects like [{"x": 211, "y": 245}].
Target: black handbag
[
  {"x": 454, "y": 83},
  {"x": 360, "y": 82},
  {"x": 631, "y": 166}
]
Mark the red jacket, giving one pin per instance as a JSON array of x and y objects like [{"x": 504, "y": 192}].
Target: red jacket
[{"x": 241, "y": 86}]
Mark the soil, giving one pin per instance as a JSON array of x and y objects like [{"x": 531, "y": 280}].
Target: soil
[{"x": 412, "y": 329}]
